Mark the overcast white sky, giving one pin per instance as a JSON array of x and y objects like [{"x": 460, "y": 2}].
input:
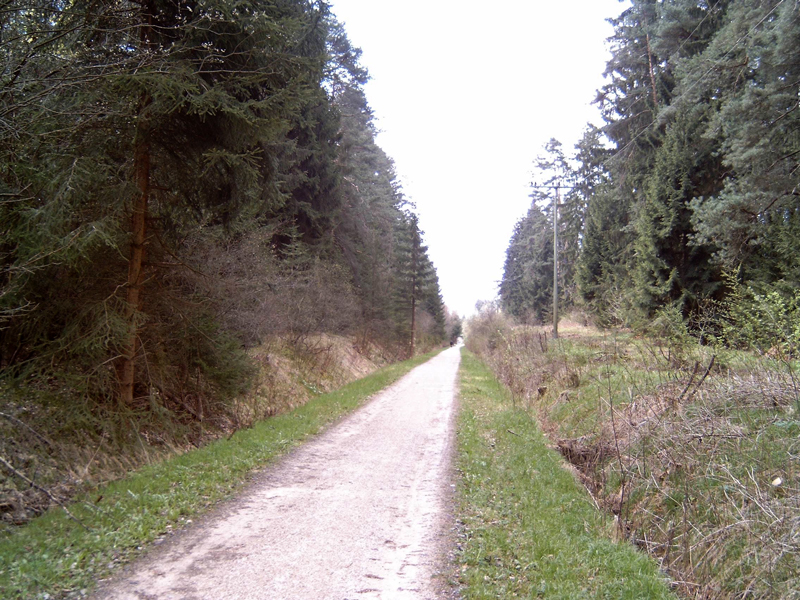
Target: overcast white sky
[{"x": 466, "y": 94}]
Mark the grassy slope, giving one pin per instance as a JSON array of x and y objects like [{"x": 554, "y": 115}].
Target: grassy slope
[
  {"x": 703, "y": 470},
  {"x": 54, "y": 556},
  {"x": 530, "y": 529}
]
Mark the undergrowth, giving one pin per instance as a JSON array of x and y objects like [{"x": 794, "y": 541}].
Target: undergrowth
[
  {"x": 694, "y": 450},
  {"x": 62, "y": 554},
  {"x": 529, "y": 529},
  {"x": 53, "y": 432}
]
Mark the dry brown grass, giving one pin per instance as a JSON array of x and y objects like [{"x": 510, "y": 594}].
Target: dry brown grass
[
  {"x": 293, "y": 371},
  {"x": 66, "y": 452}
]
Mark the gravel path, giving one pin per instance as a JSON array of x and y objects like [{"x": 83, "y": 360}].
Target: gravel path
[{"x": 359, "y": 512}]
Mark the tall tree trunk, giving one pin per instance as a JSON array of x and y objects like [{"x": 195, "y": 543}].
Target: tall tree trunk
[
  {"x": 141, "y": 167},
  {"x": 126, "y": 369}
]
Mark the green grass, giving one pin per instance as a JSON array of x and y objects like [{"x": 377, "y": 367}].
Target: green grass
[
  {"x": 614, "y": 369},
  {"x": 689, "y": 461},
  {"x": 530, "y": 529},
  {"x": 53, "y": 556}
]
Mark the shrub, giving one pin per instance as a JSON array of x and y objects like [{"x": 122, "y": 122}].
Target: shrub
[{"x": 767, "y": 321}]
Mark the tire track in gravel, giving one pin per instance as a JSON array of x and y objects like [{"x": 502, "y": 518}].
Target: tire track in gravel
[{"x": 360, "y": 512}]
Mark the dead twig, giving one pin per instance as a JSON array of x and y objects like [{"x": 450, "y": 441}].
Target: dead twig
[
  {"x": 703, "y": 378},
  {"x": 38, "y": 435},
  {"x": 41, "y": 489},
  {"x": 689, "y": 384}
]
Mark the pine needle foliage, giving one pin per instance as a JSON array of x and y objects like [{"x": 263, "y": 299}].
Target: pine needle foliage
[
  {"x": 694, "y": 173},
  {"x": 181, "y": 181}
]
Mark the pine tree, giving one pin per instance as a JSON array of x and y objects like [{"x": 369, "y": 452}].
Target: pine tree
[
  {"x": 753, "y": 220},
  {"x": 416, "y": 285},
  {"x": 372, "y": 201},
  {"x": 526, "y": 289},
  {"x": 166, "y": 122}
]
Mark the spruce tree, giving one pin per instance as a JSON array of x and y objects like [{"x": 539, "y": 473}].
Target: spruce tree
[
  {"x": 141, "y": 122},
  {"x": 526, "y": 289},
  {"x": 416, "y": 285},
  {"x": 372, "y": 201},
  {"x": 670, "y": 266},
  {"x": 753, "y": 220}
]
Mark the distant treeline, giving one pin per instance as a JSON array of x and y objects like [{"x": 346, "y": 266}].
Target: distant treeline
[
  {"x": 687, "y": 200},
  {"x": 181, "y": 180}
]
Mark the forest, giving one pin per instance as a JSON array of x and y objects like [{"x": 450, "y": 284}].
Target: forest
[
  {"x": 181, "y": 183},
  {"x": 193, "y": 203},
  {"x": 672, "y": 388},
  {"x": 686, "y": 200}
]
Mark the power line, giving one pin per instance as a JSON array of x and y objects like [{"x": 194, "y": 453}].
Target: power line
[
  {"x": 703, "y": 20},
  {"x": 697, "y": 82}
]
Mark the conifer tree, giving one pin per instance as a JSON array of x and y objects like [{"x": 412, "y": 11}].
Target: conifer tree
[
  {"x": 416, "y": 285},
  {"x": 154, "y": 156},
  {"x": 526, "y": 290},
  {"x": 365, "y": 230},
  {"x": 166, "y": 122},
  {"x": 701, "y": 172},
  {"x": 670, "y": 267},
  {"x": 661, "y": 161},
  {"x": 753, "y": 221}
]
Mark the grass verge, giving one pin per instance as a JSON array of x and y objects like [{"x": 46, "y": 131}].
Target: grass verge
[
  {"x": 695, "y": 448},
  {"x": 530, "y": 529},
  {"x": 56, "y": 557}
]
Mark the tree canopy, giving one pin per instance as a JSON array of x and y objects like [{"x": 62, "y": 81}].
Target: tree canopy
[
  {"x": 180, "y": 180},
  {"x": 690, "y": 189}
]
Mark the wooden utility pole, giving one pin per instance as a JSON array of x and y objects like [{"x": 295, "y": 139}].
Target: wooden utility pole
[{"x": 556, "y": 202}]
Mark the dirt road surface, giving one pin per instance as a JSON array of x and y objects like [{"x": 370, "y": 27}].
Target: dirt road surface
[{"x": 360, "y": 512}]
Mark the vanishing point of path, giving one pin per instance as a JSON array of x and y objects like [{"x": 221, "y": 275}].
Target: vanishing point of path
[{"x": 358, "y": 512}]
